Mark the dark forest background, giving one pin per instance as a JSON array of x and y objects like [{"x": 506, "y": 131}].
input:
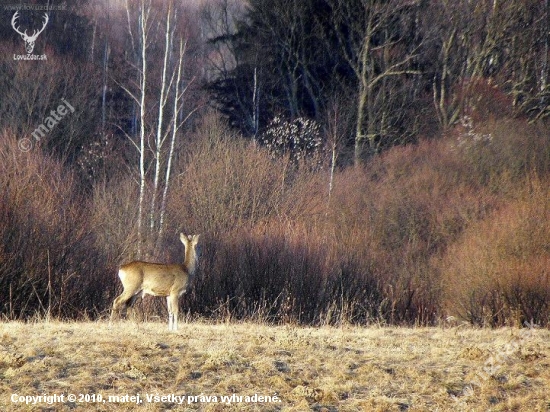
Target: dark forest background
[{"x": 346, "y": 161}]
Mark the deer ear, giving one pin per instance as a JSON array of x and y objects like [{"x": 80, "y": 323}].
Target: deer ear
[
  {"x": 183, "y": 238},
  {"x": 195, "y": 239}
]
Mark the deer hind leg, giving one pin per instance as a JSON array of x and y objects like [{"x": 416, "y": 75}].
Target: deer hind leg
[
  {"x": 122, "y": 303},
  {"x": 118, "y": 305}
]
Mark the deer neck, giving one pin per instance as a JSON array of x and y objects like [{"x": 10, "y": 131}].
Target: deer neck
[{"x": 190, "y": 261}]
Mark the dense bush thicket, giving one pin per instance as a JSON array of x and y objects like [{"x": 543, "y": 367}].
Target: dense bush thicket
[
  {"x": 49, "y": 260},
  {"x": 455, "y": 226}
]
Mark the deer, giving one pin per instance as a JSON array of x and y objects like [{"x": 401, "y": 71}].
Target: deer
[
  {"x": 29, "y": 40},
  {"x": 157, "y": 279}
]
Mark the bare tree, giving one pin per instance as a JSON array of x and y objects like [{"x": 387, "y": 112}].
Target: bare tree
[
  {"x": 487, "y": 44},
  {"x": 373, "y": 38},
  {"x": 157, "y": 135}
]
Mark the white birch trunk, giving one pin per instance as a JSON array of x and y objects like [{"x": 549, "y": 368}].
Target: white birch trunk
[
  {"x": 159, "y": 135},
  {"x": 175, "y": 128},
  {"x": 142, "y": 177}
]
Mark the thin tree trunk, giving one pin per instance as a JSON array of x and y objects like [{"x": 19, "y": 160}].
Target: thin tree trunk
[
  {"x": 104, "y": 91},
  {"x": 142, "y": 181},
  {"x": 159, "y": 137},
  {"x": 175, "y": 128}
]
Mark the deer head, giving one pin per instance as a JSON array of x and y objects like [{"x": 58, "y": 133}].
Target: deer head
[{"x": 29, "y": 40}]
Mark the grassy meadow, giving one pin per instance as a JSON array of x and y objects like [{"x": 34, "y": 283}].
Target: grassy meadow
[{"x": 346, "y": 368}]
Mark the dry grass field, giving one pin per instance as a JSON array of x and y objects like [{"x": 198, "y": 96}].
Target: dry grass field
[{"x": 270, "y": 368}]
